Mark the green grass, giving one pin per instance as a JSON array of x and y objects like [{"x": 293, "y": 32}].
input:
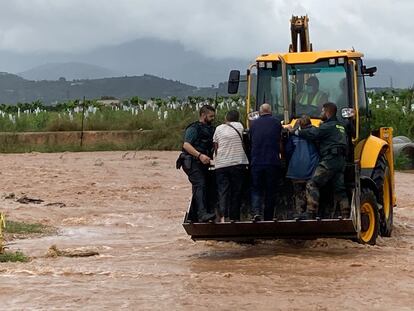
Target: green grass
[
  {"x": 104, "y": 119},
  {"x": 18, "y": 227},
  {"x": 13, "y": 257}
]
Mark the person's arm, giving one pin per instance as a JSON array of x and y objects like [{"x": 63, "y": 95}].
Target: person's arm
[
  {"x": 191, "y": 150},
  {"x": 189, "y": 138},
  {"x": 198, "y": 155},
  {"x": 312, "y": 133}
]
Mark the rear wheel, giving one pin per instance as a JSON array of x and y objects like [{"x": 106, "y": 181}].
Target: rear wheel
[
  {"x": 381, "y": 176},
  {"x": 369, "y": 218}
]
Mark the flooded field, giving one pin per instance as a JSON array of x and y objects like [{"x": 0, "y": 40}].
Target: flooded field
[{"x": 129, "y": 206}]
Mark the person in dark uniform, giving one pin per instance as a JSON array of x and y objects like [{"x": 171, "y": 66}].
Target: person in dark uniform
[
  {"x": 332, "y": 140},
  {"x": 198, "y": 151}
]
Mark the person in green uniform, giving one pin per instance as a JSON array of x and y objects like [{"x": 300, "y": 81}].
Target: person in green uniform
[
  {"x": 198, "y": 151},
  {"x": 332, "y": 139}
]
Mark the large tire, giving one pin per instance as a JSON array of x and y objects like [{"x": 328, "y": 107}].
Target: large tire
[
  {"x": 381, "y": 177},
  {"x": 369, "y": 218}
]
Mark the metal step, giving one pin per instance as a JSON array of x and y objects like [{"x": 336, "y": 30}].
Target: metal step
[{"x": 280, "y": 229}]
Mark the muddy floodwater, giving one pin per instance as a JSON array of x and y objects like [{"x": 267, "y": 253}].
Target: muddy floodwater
[{"x": 129, "y": 207}]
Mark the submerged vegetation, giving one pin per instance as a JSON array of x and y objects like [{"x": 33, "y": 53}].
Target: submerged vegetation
[
  {"x": 13, "y": 257},
  {"x": 17, "y": 227}
]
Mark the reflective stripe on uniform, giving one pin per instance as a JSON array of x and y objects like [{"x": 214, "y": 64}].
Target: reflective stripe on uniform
[{"x": 303, "y": 99}]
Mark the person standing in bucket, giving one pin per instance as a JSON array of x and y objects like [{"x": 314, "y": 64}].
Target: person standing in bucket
[
  {"x": 198, "y": 152},
  {"x": 265, "y": 134},
  {"x": 303, "y": 159},
  {"x": 230, "y": 165},
  {"x": 332, "y": 139}
]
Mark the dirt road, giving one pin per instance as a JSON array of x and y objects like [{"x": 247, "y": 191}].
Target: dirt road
[{"x": 129, "y": 208}]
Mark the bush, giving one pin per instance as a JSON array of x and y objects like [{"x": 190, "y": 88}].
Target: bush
[{"x": 403, "y": 162}]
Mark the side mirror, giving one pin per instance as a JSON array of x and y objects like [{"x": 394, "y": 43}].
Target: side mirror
[
  {"x": 347, "y": 113},
  {"x": 234, "y": 80},
  {"x": 368, "y": 71},
  {"x": 253, "y": 115}
]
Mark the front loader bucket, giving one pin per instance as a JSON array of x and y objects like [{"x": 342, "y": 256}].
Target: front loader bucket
[{"x": 282, "y": 229}]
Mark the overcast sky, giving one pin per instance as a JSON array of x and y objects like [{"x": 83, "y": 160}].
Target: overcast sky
[{"x": 217, "y": 28}]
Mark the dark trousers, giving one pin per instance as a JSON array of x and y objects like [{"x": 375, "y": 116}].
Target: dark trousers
[
  {"x": 203, "y": 188},
  {"x": 265, "y": 180},
  {"x": 229, "y": 188},
  {"x": 328, "y": 171}
]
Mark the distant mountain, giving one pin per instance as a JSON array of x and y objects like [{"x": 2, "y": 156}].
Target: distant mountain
[
  {"x": 69, "y": 71},
  {"x": 166, "y": 59},
  {"x": 14, "y": 89},
  {"x": 391, "y": 74}
]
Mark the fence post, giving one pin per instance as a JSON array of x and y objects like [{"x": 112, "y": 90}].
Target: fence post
[
  {"x": 2, "y": 225},
  {"x": 83, "y": 117}
]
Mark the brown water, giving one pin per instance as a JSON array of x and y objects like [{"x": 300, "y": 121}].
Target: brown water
[{"x": 129, "y": 207}]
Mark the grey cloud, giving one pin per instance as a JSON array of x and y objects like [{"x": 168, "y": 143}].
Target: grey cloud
[{"x": 221, "y": 28}]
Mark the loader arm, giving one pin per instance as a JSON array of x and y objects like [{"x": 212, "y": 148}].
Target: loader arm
[{"x": 299, "y": 28}]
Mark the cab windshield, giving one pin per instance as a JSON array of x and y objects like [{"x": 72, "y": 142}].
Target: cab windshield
[
  {"x": 309, "y": 86},
  {"x": 312, "y": 85}
]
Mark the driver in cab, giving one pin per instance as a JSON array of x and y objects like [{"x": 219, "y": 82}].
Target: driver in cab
[{"x": 311, "y": 96}]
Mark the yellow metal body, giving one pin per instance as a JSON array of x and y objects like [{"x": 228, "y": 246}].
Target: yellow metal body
[
  {"x": 307, "y": 57},
  {"x": 249, "y": 85},
  {"x": 371, "y": 150},
  {"x": 388, "y": 197},
  {"x": 356, "y": 108},
  {"x": 368, "y": 210},
  {"x": 386, "y": 135},
  {"x": 315, "y": 122}
]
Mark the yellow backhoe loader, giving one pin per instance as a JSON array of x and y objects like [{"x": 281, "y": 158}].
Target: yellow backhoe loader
[{"x": 369, "y": 173}]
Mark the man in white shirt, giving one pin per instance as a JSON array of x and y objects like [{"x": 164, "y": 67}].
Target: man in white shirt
[{"x": 230, "y": 165}]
